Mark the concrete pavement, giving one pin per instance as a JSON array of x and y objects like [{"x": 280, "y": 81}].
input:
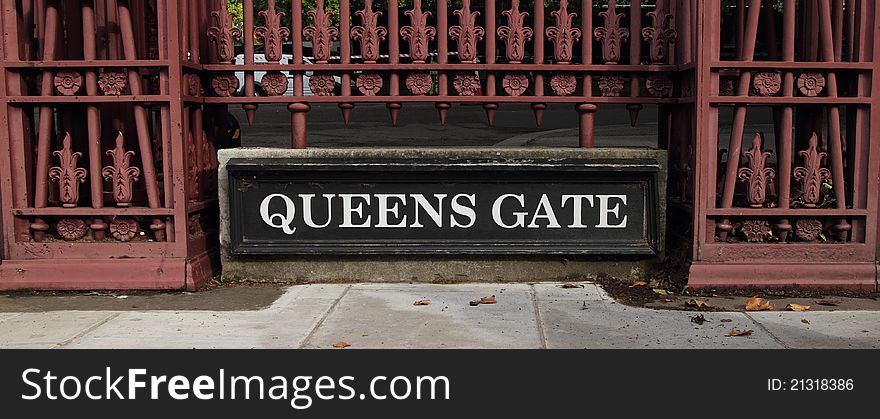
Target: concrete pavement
[{"x": 542, "y": 315}]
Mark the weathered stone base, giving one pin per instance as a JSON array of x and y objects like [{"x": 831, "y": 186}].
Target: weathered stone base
[
  {"x": 436, "y": 269},
  {"x": 432, "y": 268}
]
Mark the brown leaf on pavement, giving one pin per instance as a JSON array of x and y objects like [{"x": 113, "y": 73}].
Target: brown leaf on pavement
[
  {"x": 737, "y": 332},
  {"x": 828, "y": 302},
  {"x": 572, "y": 285},
  {"x": 796, "y": 307},
  {"x": 341, "y": 344},
  {"x": 698, "y": 304},
  {"x": 638, "y": 284},
  {"x": 422, "y": 302},
  {"x": 758, "y": 304},
  {"x": 661, "y": 291},
  {"x": 726, "y": 320},
  {"x": 698, "y": 319},
  {"x": 484, "y": 300}
]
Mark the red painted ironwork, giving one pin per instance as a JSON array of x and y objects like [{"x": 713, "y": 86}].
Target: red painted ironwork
[{"x": 162, "y": 73}]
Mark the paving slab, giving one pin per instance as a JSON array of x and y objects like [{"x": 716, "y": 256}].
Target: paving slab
[
  {"x": 283, "y": 325},
  {"x": 48, "y": 329},
  {"x": 7, "y": 316},
  {"x": 383, "y": 316},
  {"x": 822, "y": 330},
  {"x": 571, "y": 318}
]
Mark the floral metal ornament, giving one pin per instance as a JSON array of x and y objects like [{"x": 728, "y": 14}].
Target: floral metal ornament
[
  {"x": 67, "y": 174},
  {"x": 758, "y": 173},
  {"x": 660, "y": 34},
  {"x": 563, "y": 84},
  {"x": 812, "y": 175},
  {"x": 467, "y": 32},
  {"x": 419, "y": 83},
  {"x": 322, "y": 84},
  {"x": 194, "y": 85},
  {"x": 121, "y": 174},
  {"x": 466, "y": 84},
  {"x": 224, "y": 85},
  {"x": 320, "y": 32},
  {"x": 274, "y": 83},
  {"x": 515, "y": 84},
  {"x": 418, "y": 33},
  {"x": 272, "y": 33},
  {"x": 71, "y": 229},
  {"x": 369, "y": 33},
  {"x": 811, "y": 84},
  {"x": 112, "y": 83},
  {"x": 659, "y": 86},
  {"x": 369, "y": 83},
  {"x": 755, "y": 230},
  {"x": 726, "y": 87},
  {"x": 563, "y": 35},
  {"x": 123, "y": 229},
  {"x": 767, "y": 83},
  {"x": 192, "y": 168},
  {"x": 515, "y": 33},
  {"x": 224, "y": 34},
  {"x": 611, "y": 85},
  {"x": 68, "y": 82},
  {"x": 808, "y": 229},
  {"x": 611, "y": 35}
]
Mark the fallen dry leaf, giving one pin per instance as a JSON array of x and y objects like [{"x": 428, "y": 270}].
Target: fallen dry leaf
[
  {"x": 805, "y": 321},
  {"x": 698, "y": 304},
  {"x": 422, "y": 302},
  {"x": 341, "y": 344},
  {"x": 572, "y": 285},
  {"x": 698, "y": 319},
  {"x": 796, "y": 307},
  {"x": 668, "y": 300},
  {"x": 758, "y": 304},
  {"x": 828, "y": 302},
  {"x": 484, "y": 300},
  {"x": 737, "y": 332},
  {"x": 661, "y": 291},
  {"x": 726, "y": 320},
  {"x": 638, "y": 284}
]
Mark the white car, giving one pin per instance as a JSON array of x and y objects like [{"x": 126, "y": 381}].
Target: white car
[{"x": 258, "y": 75}]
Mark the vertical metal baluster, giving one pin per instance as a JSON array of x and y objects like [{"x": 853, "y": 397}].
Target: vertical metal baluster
[
  {"x": 297, "y": 110},
  {"x": 635, "y": 57},
  {"x": 393, "y": 58},
  {"x": 739, "y": 117},
  {"x": 345, "y": 57},
  {"x": 490, "y": 107},
  {"x": 785, "y": 153},
  {"x": 250, "y": 109},
  {"x": 443, "y": 57},
  {"x": 834, "y": 141},
  {"x": 538, "y": 107},
  {"x": 587, "y": 111}
]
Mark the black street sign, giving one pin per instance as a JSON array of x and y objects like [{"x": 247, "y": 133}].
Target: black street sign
[{"x": 312, "y": 206}]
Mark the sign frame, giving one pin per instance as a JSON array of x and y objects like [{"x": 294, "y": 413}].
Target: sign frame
[{"x": 243, "y": 173}]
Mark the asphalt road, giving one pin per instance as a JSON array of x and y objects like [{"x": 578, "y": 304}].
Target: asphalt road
[{"x": 419, "y": 126}]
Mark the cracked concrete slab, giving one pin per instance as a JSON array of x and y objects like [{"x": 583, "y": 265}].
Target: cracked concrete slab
[
  {"x": 383, "y": 316},
  {"x": 834, "y": 329},
  {"x": 51, "y": 328},
  {"x": 574, "y": 318}
]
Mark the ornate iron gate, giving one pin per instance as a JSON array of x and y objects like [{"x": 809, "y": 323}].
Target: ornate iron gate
[{"x": 115, "y": 109}]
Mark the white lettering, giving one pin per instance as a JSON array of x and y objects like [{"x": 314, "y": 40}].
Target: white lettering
[
  {"x": 278, "y": 220},
  {"x": 548, "y": 214},
  {"x": 604, "y": 211},
  {"x": 436, "y": 214},
  {"x": 520, "y": 216},
  {"x": 463, "y": 210},
  {"x": 577, "y": 212},
  {"x": 385, "y": 209},
  {"x": 348, "y": 209},
  {"x": 307, "y": 210}
]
